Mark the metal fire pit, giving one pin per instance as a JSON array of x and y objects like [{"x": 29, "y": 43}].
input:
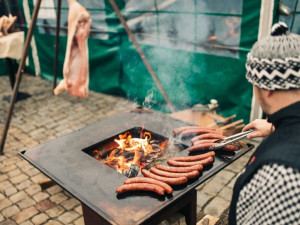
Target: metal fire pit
[
  {"x": 65, "y": 161},
  {"x": 103, "y": 149}
]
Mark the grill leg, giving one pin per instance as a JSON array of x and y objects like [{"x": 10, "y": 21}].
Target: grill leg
[
  {"x": 92, "y": 218},
  {"x": 189, "y": 211},
  {"x": 11, "y": 72}
]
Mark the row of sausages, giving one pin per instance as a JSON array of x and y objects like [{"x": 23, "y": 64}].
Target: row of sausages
[
  {"x": 202, "y": 137},
  {"x": 160, "y": 178}
]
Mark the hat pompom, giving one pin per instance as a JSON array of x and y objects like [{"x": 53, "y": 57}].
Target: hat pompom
[{"x": 279, "y": 29}]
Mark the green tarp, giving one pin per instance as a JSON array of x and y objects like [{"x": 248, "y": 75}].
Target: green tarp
[{"x": 196, "y": 48}]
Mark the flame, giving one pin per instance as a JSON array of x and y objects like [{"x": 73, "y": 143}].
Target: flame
[
  {"x": 129, "y": 151},
  {"x": 231, "y": 24},
  {"x": 163, "y": 144},
  {"x": 211, "y": 38}
]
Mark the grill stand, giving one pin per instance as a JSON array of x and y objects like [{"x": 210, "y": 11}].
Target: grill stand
[
  {"x": 92, "y": 183},
  {"x": 186, "y": 205}
]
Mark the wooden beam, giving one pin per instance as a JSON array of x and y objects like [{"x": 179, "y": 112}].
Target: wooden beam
[{"x": 19, "y": 74}]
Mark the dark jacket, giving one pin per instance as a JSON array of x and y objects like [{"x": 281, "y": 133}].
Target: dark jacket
[{"x": 281, "y": 147}]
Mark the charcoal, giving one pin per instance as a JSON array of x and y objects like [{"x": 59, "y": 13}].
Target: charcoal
[
  {"x": 155, "y": 146},
  {"x": 125, "y": 173},
  {"x": 132, "y": 172},
  {"x": 155, "y": 142}
]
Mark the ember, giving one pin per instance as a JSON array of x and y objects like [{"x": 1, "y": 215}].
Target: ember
[
  {"x": 211, "y": 38},
  {"x": 133, "y": 150}
]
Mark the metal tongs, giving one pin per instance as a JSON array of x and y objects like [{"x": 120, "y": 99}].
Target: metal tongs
[{"x": 220, "y": 143}]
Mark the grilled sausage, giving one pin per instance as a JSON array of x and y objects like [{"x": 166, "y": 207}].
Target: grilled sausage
[
  {"x": 204, "y": 141},
  {"x": 164, "y": 185},
  {"x": 205, "y": 144},
  {"x": 230, "y": 147},
  {"x": 141, "y": 187},
  {"x": 198, "y": 131},
  {"x": 189, "y": 175},
  {"x": 171, "y": 181},
  {"x": 174, "y": 169},
  {"x": 200, "y": 147},
  {"x": 203, "y": 162},
  {"x": 208, "y": 136},
  {"x": 181, "y": 129},
  {"x": 195, "y": 157}
]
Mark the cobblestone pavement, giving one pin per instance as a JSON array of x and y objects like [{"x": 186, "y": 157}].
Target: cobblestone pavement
[{"x": 43, "y": 117}]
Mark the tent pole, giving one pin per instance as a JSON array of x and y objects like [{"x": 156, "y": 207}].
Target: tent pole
[
  {"x": 56, "y": 46},
  {"x": 141, "y": 53},
  {"x": 19, "y": 73},
  {"x": 265, "y": 25}
]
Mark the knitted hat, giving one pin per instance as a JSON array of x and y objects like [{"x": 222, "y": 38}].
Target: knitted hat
[{"x": 274, "y": 61}]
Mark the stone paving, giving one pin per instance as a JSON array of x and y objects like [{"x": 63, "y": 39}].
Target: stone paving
[{"x": 43, "y": 117}]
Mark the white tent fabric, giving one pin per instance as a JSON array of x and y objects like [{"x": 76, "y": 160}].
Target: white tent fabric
[
  {"x": 11, "y": 45},
  {"x": 265, "y": 25}
]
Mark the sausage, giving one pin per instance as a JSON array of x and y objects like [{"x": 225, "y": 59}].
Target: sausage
[
  {"x": 208, "y": 136},
  {"x": 174, "y": 169},
  {"x": 205, "y": 144},
  {"x": 204, "y": 141},
  {"x": 195, "y": 157},
  {"x": 200, "y": 147},
  {"x": 140, "y": 187},
  {"x": 189, "y": 175},
  {"x": 171, "y": 181},
  {"x": 203, "y": 162},
  {"x": 198, "y": 131},
  {"x": 164, "y": 185},
  {"x": 181, "y": 129},
  {"x": 230, "y": 147}
]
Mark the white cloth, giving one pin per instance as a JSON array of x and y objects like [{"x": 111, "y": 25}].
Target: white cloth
[
  {"x": 271, "y": 197},
  {"x": 11, "y": 45}
]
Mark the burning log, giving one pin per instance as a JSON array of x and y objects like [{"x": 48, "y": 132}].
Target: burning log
[
  {"x": 131, "y": 151},
  {"x": 133, "y": 171}
]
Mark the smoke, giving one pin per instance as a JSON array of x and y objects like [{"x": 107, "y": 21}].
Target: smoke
[
  {"x": 149, "y": 99},
  {"x": 177, "y": 30},
  {"x": 173, "y": 33}
]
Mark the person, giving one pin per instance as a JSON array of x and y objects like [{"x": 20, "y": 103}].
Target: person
[
  {"x": 261, "y": 127},
  {"x": 268, "y": 191}
]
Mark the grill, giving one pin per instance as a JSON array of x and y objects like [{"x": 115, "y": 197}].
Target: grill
[{"x": 71, "y": 162}]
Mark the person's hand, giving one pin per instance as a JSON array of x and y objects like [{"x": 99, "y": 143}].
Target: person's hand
[{"x": 262, "y": 128}]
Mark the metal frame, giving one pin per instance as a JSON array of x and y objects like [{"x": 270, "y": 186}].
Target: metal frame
[
  {"x": 19, "y": 74},
  {"x": 48, "y": 158},
  {"x": 56, "y": 42}
]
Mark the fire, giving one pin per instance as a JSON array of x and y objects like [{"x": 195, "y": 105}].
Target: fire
[
  {"x": 231, "y": 24},
  {"x": 127, "y": 143},
  {"x": 211, "y": 38},
  {"x": 137, "y": 151}
]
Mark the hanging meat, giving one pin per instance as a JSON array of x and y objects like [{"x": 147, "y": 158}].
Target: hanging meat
[{"x": 76, "y": 65}]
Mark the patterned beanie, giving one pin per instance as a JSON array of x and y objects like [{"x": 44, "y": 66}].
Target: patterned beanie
[{"x": 274, "y": 61}]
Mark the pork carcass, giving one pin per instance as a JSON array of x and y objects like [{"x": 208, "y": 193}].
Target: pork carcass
[{"x": 76, "y": 65}]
